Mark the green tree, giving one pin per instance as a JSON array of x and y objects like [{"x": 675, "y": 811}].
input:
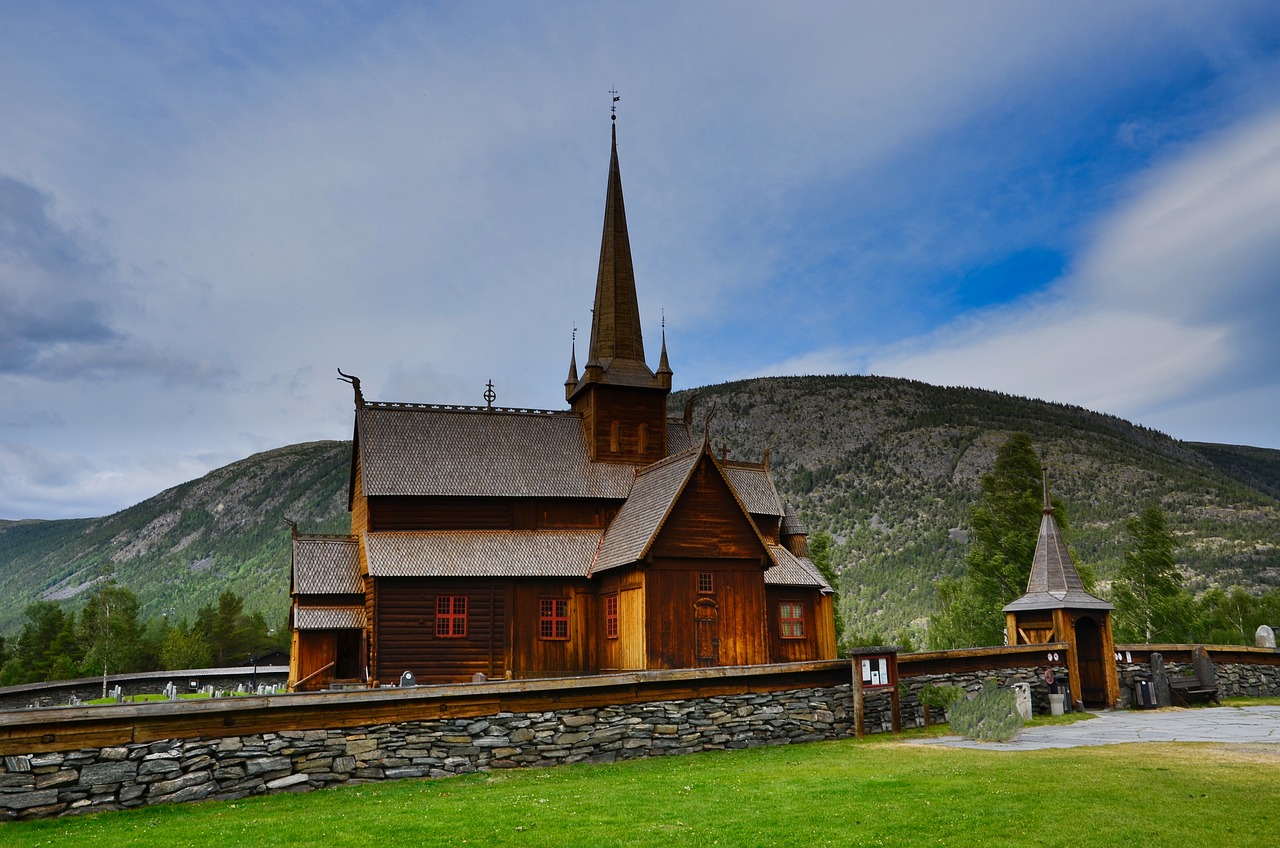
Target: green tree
[
  {"x": 46, "y": 649},
  {"x": 109, "y": 631},
  {"x": 1232, "y": 617},
  {"x": 1151, "y": 604},
  {"x": 184, "y": 647},
  {"x": 820, "y": 556},
  {"x": 1005, "y": 525},
  {"x": 232, "y": 635}
]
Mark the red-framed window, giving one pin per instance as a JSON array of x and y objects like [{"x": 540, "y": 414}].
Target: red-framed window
[
  {"x": 553, "y": 618},
  {"x": 791, "y": 619},
  {"x": 451, "y": 616},
  {"x": 611, "y": 616},
  {"x": 706, "y": 585}
]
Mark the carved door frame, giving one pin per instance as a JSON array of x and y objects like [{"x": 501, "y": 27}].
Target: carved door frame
[{"x": 706, "y": 631}]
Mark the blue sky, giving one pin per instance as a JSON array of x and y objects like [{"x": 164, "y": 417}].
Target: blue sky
[{"x": 205, "y": 209}]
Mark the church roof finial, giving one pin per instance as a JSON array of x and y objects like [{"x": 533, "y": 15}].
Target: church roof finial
[
  {"x": 1048, "y": 505},
  {"x": 571, "y": 382}
]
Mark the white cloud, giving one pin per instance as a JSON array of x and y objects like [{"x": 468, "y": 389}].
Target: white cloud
[{"x": 1171, "y": 312}]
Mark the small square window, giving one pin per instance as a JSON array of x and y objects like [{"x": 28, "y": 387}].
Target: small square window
[
  {"x": 553, "y": 618},
  {"x": 705, "y": 584},
  {"x": 451, "y": 616},
  {"x": 791, "y": 619}
]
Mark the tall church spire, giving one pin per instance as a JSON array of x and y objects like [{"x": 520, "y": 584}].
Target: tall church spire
[
  {"x": 622, "y": 402},
  {"x": 616, "y": 354}
]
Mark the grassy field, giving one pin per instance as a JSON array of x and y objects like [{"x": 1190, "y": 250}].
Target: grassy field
[{"x": 830, "y": 793}]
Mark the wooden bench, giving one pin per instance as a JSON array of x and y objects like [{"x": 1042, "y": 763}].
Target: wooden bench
[{"x": 1184, "y": 690}]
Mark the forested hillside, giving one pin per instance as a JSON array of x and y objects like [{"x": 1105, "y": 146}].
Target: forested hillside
[
  {"x": 181, "y": 549},
  {"x": 888, "y": 467}
]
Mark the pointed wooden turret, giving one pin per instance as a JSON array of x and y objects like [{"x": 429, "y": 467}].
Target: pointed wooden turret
[
  {"x": 1054, "y": 580},
  {"x": 622, "y": 402},
  {"x": 1056, "y": 608}
]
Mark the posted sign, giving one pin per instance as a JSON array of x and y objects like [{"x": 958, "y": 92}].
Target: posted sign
[{"x": 875, "y": 672}]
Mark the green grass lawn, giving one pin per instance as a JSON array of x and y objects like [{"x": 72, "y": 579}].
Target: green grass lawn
[{"x": 829, "y": 793}]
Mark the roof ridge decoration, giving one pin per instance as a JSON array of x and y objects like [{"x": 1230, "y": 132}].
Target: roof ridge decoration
[{"x": 458, "y": 407}]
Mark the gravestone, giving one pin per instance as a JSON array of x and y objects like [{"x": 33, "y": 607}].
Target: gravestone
[
  {"x": 1023, "y": 691},
  {"x": 1161, "y": 680},
  {"x": 1203, "y": 666},
  {"x": 1265, "y": 637},
  {"x": 407, "y": 679}
]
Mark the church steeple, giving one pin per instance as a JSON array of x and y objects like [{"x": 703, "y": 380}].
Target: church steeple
[
  {"x": 623, "y": 403},
  {"x": 616, "y": 352}
]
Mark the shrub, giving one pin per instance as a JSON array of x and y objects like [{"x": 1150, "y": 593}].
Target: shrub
[
  {"x": 990, "y": 717},
  {"x": 941, "y": 697}
]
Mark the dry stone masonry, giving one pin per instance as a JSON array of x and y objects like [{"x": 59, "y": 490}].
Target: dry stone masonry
[{"x": 96, "y": 779}]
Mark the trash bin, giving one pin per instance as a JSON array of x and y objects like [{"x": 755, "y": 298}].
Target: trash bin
[
  {"x": 1144, "y": 692},
  {"x": 1062, "y": 685}
]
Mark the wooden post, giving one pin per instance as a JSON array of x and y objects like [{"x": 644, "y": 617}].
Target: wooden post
[
  {"x": 897, "y": 699},
  {"x": 859, "y": 728}
]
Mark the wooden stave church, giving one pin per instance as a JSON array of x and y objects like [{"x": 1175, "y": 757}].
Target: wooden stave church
[{"x": 523, "y": 543}]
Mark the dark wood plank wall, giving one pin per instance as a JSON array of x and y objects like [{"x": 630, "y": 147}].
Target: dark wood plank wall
[
  {"x": 671, "y": 597},
  {"x": 708, "y": 522},
  {"x": 602, "y": 405},
  {"x": 828, "y": 638},
  {"x": 406, "y": 630},
  {"x": 533, "y": 656},
  {"x": 770, "y": 527},
  {"x": 443, "y": 513},
  {"x": 371, "y": 623},
  {"x": 819, "y": 627}
]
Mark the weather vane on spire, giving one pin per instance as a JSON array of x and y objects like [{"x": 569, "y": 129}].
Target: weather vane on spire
[{"x": 613, "y": 109}]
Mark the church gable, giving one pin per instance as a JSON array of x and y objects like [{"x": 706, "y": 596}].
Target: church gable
[{"x": 708, "y": 520}]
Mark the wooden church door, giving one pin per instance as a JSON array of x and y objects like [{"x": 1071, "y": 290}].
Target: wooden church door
[
  {"x": 706, "y": 622},
  {"x": 1093, "y": 675}
]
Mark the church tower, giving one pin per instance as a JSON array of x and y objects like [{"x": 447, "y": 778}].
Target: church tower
[{"x": 622, "y": 402}]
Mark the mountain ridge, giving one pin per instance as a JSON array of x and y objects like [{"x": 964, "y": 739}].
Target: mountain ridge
[{"x": 887, "y": 467}]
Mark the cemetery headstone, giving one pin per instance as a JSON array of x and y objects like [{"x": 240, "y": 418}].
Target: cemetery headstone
[
  {"x": 1265, "y": 637},
  {"x": 1161, "y": 680}
]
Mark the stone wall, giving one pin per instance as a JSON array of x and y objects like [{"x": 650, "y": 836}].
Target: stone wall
[
  {"x": 971, "y": 682},
  {"x": 1235, "y": 680},
  {"x": 225, "y": 767},
  {"x": 96, "y": 779}
]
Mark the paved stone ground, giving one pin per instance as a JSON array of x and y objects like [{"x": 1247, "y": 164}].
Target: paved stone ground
[{"x": 1209, "y": 724}]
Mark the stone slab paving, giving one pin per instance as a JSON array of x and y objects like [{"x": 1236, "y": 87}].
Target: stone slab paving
[{"x": 1209, "y": 724}]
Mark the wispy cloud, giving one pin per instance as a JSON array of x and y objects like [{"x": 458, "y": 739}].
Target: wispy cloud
[{"x": 1173, "y": 303}]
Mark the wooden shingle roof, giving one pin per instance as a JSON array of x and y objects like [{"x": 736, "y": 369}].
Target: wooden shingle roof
[
  {"x": 755, "y": 487},
  {"x": 482, "y": 553},
  {"x": 637, "y": 523},
  {"x": 329, "y": 618},
  {"x": 792, "y": 570},
  {"x": 427, "y": 450},
  {"x": 1054, "y": 583},
  {"x": 326, "y": 565}
]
